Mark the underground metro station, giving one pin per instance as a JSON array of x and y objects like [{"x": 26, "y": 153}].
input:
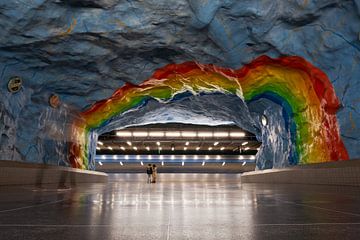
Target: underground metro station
[{"x": 179, "y": 119}]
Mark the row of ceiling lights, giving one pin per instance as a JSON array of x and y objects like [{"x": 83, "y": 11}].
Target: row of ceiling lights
[
  {"x": 163, "y": 163},
  {"x": 184, "y": 157},
  {"x": 160, "y": 148},
  {"x": 234, "y": 134}
]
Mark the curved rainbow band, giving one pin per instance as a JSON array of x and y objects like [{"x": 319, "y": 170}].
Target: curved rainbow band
[{"x": 305, "y": 92}]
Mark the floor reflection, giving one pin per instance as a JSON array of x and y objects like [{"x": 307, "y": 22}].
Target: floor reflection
[{"x": 179, "y": 206}]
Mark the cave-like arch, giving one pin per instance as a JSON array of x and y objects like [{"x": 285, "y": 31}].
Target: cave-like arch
[{"x": 304, "y": 92}]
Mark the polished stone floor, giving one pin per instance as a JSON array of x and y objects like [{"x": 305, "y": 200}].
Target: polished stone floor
[{"x": 179, "y": 206}]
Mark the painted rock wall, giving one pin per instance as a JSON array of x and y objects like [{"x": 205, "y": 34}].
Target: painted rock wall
[{"x": 82, "y": 50}]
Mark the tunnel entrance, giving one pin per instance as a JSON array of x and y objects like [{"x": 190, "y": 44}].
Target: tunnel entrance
[
  {"x": 288, "y": 104},
  {"x": 177, "y": 147}
]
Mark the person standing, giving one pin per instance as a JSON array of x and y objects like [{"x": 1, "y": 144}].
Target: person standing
[
  {"x": 149, "y": 171},
  {"x": 154, "y": 173}
]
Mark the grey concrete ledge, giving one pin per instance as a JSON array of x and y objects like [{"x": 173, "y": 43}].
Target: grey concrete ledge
[
  {"x": 345, "y": 173},
  {"x": 18, "y": 173}
]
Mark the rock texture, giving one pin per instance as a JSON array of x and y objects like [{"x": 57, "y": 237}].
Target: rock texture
[{"x": 82, "y": 50}]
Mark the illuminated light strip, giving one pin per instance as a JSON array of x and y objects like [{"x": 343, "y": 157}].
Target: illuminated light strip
[
  {"x": 205, "y": 134},
  {"x": 262, "y": 78},
  {"x": 188, "y": 134},
  {"x": 156, "y": 134},
  {"x": 140, "y": 134},
  {"x": 100, "y": 143},
  {"x": 123, "y": 134},
  {"x": 237, "y": 134},
  {"x": 221, "y": 134},
  {"x": 172, "y": 134}
]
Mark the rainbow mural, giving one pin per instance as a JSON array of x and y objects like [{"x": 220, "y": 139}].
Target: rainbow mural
[{"x": 305, "y": 92}]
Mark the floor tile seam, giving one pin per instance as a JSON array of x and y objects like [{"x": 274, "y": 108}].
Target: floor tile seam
[
  {"x": 32, "y": 206},
  {"x": 306, "y": 205},
  {"x": 321, "y": 208},
  {"x": 117, "y": 226}
]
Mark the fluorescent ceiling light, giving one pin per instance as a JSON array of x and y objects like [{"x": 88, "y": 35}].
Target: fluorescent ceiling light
[
  {"x": 223, "y": 164},
  {"x": 222, "y": 148},
  {"x": 218, "y": 157},
  {"x": 129, "y": 143},
  {"x": 216, "y": 143},
  {"x": 135, "y": 148},
  {"x": 100, "y": 143},
  {"x": 221, "y": 134},
  {"x": 195, "y": 157},
  {"x": 156, "y": 134},
  {"x": 137, "y": 157},
  {"x": 198, "y": 148},
  {"x": 126, "y": 156},
  {"x": 148, "y": 148},
  {"x": 140, "y": 134},
  {"x": 110, "y": 148},
  {"x": 207, "y": 157},
  {"x": 205, "y": 134},
  {"x": 203, "y": 163},
  {"x": 162, "y": 163},
  {"x": 244, "y": 143},
  {"x": 184, "y": 157},
  {"x": 172, "y": 157},
  {"x": 237, "y": 134},
  {"x": 247, "y": 148},
  {"x": 172, "y": 134},
  {"x": 188, "y": 134},
  {"x": 121, "y": 163},
  {"x": 172, "y": 148},
  {"x": 97, "y": 148},
  {"x": 161, "y": 157},
  {"x": 244, "y": 163},
  {"x": 252, "y": 157},
  {"x": 123, "y": 134},
  {"x": 210, "y": 148},
  {"x": 187, "y": 143},
  {"x": 158, "y": 143},
  {"x": 100, "y": 163},
  {"x": 241, "y": 157},
  {"x": 122, "y": 148},
  {"x": 114, "y": 157},
  {"x": 160, "y": 148},
  {"x": 185, "y": 148},
  {"x": 103, "y": 157},
  {"x": 149, "y": 157},
  {"x": 142, "y": 164},
  {"x": 182, "y": 163}
]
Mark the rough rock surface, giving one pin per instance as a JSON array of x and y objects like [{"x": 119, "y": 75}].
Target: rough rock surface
[{"x": 83, "y": 50}]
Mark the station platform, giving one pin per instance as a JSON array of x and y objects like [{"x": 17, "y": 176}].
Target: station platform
[{"x": 179, "y": 206}]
